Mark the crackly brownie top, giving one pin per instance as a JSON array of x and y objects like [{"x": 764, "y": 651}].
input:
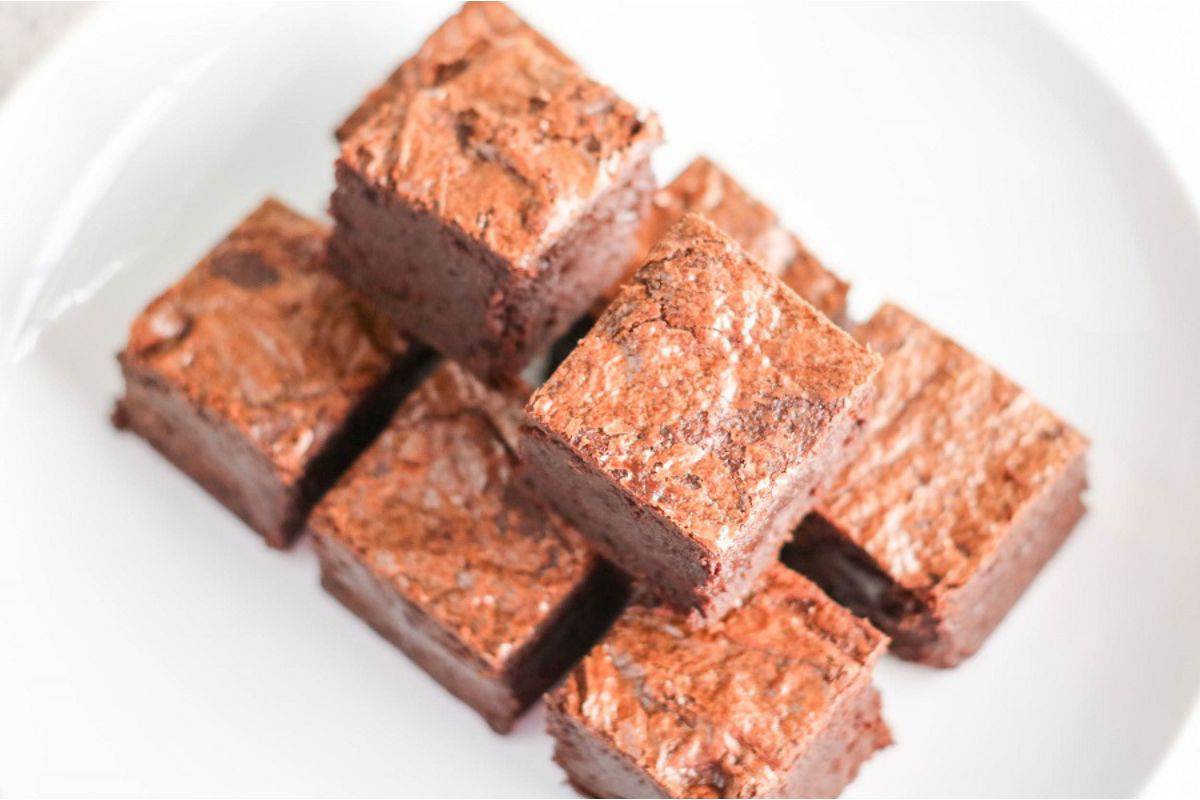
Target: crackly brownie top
[
  {"x": 433, "y": 507},
  {"x": 724, "y": 711},
  {"x": 496, "y": 132},
  {"x": 953, "y": 453},
  {"x": 474, "y": 28},
  {"x": 704, "y": 386},
  {"x": 704, "y": 188},
  {"x": 259, "y": 336}
]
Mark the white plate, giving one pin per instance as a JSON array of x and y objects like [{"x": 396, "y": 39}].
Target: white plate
[{"x": 958, "y": 159}]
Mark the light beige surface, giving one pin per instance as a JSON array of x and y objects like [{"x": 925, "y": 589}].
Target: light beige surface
[{"x": 27, "y": 30}]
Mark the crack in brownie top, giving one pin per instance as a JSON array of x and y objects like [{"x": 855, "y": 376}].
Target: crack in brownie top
[
  {"x": 952, "y": 454},
  {"x": 260, "y": 335},
  {"x": 704, "y": 386},
  {"x": 723, "y": 711},
  {"x": 433, "y": 507},
  {"x": 706, "y": 189},
  {"x": 496, "y": 132}
]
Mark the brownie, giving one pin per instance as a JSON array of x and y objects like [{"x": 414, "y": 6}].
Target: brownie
[
  {"x": 260, "y": 375},
  {"x": 689, "y": 431},
  {"x": 776, "y": 700},
  {"x": 706, "y": 189},
  {"x": 489, "y": 190},
  {"x": 431, "y": 541},
  {"x": 965, "y": 487}
]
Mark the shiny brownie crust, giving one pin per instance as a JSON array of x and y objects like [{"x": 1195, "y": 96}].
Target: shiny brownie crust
[
  {"x": 432, "y": 541},
  {"x": 489, "y": 191},
  {"x": 965, "y": 487},
  {"x": 689, "y": 431},
  {"x": 705, "y": 188},
  {"x": 775, "y": 700},
  {"x": 261, "y": 376}
]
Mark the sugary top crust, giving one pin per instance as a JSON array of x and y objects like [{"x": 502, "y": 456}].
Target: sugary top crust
[
  {"x": 706, "y": 189},
  {"x": 952, "y": 455},
  {"x": 704, "y": 386},
  {"x": 259, "y": 336},
  {"x": 433, "y": 508},
  {"x": 495, "y": 131},
  {"x": 725, "y": 711}
]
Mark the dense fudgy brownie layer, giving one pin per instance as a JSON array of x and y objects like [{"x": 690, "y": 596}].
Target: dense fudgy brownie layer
[
  {"x": 676, "y": 567},
  {"x": 218, "y": 458},
  {"x": 500, "y": 696},
  {"x": 447, "y": 290},
  {"x": 260, "y": 375},
  {"x": 689, "y": 430},
  {"x": 856, "y": 731},
  {"x": 211, "y": 451},
  {"x": 775, "y": 700},
  {"x": 964, "y": 488}
]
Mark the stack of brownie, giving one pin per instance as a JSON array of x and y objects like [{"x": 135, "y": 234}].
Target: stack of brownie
[{"x": 697, "y": 536}]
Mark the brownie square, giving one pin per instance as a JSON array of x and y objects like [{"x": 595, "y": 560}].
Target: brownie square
[
  {"x": 260, "y": 375},
  {"x": 775, "y": 700},
  {"x": 965, "y": 487},
  {"x": 431, "y": 541},
  {"x": 688, "y": 432},
  {"x": 706, "y": 189},
  {"x": 489, "y": 191}
]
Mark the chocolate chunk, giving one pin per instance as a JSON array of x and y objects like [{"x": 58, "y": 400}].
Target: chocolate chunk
[{"x": 245, "y": 268}]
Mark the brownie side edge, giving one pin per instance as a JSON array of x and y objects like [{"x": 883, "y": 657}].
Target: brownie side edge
[
  {"x": 970, "y": 613},
  {"x": 622, "y": 530},
  {"x": 401, "y": 257},
  {"x": 417, "y": 636},
  {"x": 447, "y": 290},
  {"x": 218, "y": 457},
  {"x": 209, "y": 451},
  {"x": 593, "y": 766},
  {"x": 942, "y": 631},
  {"x": 853, "y": 732}
]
